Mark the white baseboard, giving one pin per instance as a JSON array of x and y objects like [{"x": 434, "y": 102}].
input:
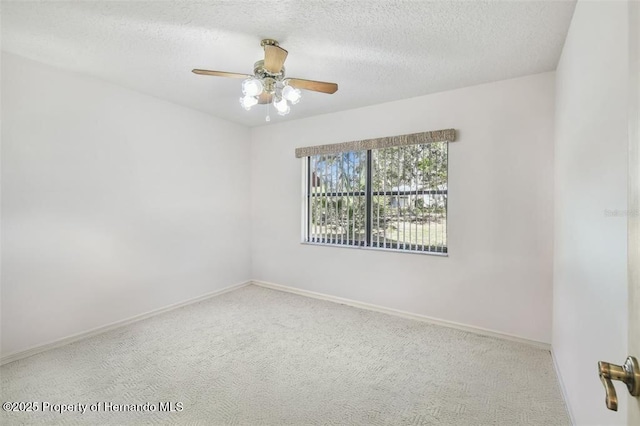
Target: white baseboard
[
  {"x": 563, "y": 389},
  {"x": 362, "y": 305},
  {"x": 99, "y": 330},
  {"x": 403, "y": 314}
]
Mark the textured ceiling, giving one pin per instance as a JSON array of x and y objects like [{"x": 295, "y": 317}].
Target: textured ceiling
[{"x": 376, "y": 51}]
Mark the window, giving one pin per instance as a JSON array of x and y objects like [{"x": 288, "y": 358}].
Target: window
[{"x": 388, "y": 198}]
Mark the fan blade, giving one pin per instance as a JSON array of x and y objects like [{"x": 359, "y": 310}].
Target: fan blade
[
  {"x": 316, "y": 86},
  {"x": 220, "y": 73},
  {"x": 274, "y": 57},
  {"x": 265, "y": 98}
]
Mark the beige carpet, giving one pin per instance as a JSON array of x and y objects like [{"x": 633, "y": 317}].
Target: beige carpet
[{"x": 262, "y": 357}]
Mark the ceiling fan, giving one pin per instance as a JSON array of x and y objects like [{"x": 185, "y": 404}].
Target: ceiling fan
[{"x": 268, "y": 84}]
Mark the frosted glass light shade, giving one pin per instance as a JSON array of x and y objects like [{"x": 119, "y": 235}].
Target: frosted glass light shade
[
  {"x": 285, "y": 111},
  {"x": 291, "y": 94},
  {"x": 248, "y": 101},
  {"x": 252, "y": 87},
  {"x": 281, "y": 106}
]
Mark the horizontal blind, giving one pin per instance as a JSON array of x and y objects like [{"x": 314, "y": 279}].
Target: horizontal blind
[{"x": 446, "y": 135}]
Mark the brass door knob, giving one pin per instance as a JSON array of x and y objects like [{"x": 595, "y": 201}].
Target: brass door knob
[{"x": 628, "y": 373}]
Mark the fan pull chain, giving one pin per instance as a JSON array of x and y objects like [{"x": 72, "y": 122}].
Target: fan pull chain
[{"x": 268, "y": 117}]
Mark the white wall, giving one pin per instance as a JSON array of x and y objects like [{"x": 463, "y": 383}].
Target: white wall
[
  {"x": 498, "y": 274},
  {"x": 590, "y": 282},
  {"x": 114, "y": 203}
]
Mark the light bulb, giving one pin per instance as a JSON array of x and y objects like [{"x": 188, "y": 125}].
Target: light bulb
[
  {"x": 248, "y": 101},
  {"x": 252, "y": 87},
  {"x": 291, "y": 94},
  {"x": 281, "y": 106}
]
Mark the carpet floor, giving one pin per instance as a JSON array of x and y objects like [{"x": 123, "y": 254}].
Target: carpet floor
[{"x": 256, "y": 356}]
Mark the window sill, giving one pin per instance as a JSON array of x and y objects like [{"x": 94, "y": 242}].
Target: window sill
[{"x": 429, "y": 253}]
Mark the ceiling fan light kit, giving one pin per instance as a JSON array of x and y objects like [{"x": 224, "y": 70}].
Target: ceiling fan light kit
[{"x": 268, "y": 84}]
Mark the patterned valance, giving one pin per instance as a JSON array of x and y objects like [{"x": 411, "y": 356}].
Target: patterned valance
[{"x": 447, "y": 135}]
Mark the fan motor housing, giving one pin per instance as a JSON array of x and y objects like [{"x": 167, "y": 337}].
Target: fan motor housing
[{"x": 260, "y": 72}]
